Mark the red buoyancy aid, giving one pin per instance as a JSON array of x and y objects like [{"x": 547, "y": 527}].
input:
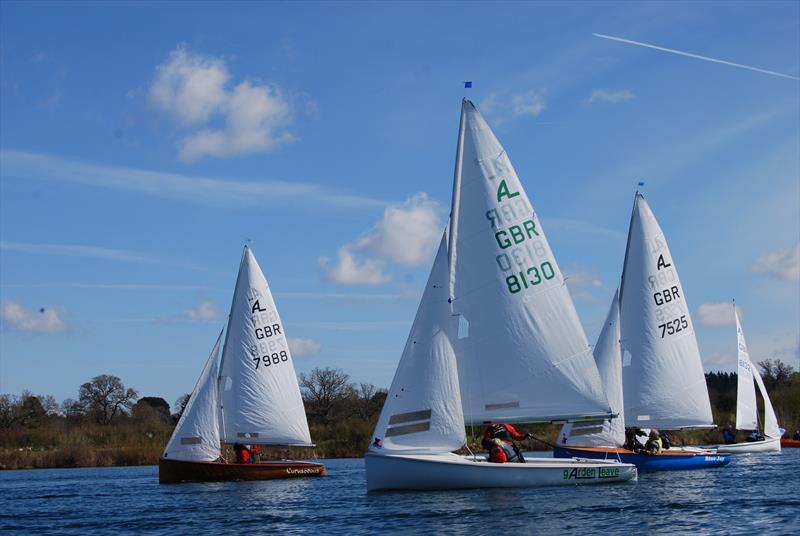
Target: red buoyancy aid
[{"x": 497, "y": 455}]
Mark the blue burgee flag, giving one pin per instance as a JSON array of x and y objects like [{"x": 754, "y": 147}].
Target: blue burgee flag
[
  {"x": 468, "y": 84},
  {"x": 641, "y": 184}
]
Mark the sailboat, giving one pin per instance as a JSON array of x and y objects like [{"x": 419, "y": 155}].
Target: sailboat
[
  {"x": 496, "y": 338},
  {"x": 251, "y": 397},
  {"x": 653, "y": 371},
  {"x": 746, "y": 407}
]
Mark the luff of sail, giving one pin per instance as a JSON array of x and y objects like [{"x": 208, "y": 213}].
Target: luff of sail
[
  {"x": 422, "y": 413},
  {"x": 746, "y": 409},
  {"x": 196, "y": 436},
  {"x": 261, "y": 402},
  {"x": 608, "y": 356},
  {"x": 511, "y": 292},
  {"x": 663, "y": 381}
]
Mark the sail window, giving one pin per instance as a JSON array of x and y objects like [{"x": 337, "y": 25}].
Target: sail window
[
  {"x": 408, "y": 429},
  {"x": 400, "y": 418},
  {"x": 190, "y": 441}
]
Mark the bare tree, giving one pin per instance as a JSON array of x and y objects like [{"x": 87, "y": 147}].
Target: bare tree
[
  {"x": 180, "y": 406},
  {"x": 105, "y": 397},
  {"x": 323, "y": 389},
  {"x": 775, "y": 373}
]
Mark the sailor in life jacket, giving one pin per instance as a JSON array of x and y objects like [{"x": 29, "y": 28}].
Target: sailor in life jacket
[
  {"x": 506, "y": 434},
  {"x": 654, "y": 444},
  {"x": 502, "y": 452}
]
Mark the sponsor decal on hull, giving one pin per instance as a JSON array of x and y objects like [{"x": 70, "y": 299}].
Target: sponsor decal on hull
[{"x": 580, "y": 473}]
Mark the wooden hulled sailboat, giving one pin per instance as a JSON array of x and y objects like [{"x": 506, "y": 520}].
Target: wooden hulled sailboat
[
  {"x": 746, "y": 406},
  {"x": 649, "y": 360},
  {"x": 251, "y": 398},
  {"x": 496, "y": 338}
]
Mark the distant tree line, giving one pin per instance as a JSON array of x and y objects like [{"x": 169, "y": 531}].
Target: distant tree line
[{"x": 109, "y": 424}]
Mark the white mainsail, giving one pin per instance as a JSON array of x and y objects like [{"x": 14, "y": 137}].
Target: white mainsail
[
  {"x": 526, "y": 357},
  {"x": 608, "y": 356},
  {"x": 261, "y": 402},
  {"x": 746, "y": 408},
  {"x": 422, "y": 413},
  {"x": 196, "y": 436},
  {"x": 663, "y": 381}
]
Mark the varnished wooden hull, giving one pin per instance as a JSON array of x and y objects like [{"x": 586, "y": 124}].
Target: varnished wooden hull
[{"x": 175, "y": 471}]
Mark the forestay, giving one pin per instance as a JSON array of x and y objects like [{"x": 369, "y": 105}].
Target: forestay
[
  {"x": 261, "y": 402},
  {"x": 196, "y": 436},
  {"x": 525, "y": 356},
  {"x": 608, "y": 356},
  {"x": 422, "y": 413},
  {"x": 746, "y": 408},
  {"x": 663, "y": 381}
]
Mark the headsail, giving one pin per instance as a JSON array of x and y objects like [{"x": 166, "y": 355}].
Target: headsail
[
  {"x": 261, "y": 402},
  {"x": 771, "y": 428},
  {"x": 422, "y": 412},
  {"x": 526, "y": 357},
  {"x": 196, "y": 436},
  {"x": 608, "y": 356},
  {"x": 746, "y": 408},
  {"x": 663, "y": 381}
]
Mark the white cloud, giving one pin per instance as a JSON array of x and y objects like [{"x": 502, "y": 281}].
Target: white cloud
[
  {"x": 189, "y": 86},
  {"x": 502, "y": 107},
  {"x": 582, "y": 284},
  {"x": 192, "y": 88},
  {"x": 605, "y": 95},
  {"x": 406, "y": 235},
  {"x": 350, "y": 271},
  {"x": 783, "y": 264},
  {"x": 303, "y": 347},
  {"x": 718, "y": 314},
  {"x": 44, "y": 320},
  {"x": 204, "y": 312},
  {"x": 529, "y": 103},
  {"x": 185, "y": 188}
]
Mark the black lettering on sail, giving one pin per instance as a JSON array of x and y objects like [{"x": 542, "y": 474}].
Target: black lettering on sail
[
  {"x": 257, "y": 307},
  {"x": 661, "y": 263}
]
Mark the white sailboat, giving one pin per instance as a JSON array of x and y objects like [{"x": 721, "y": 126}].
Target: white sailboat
[
  {"x": 663, "y": 383},
  {"x": 496, "y": 338},
  {"x": 254, "y": 400},
  {"x": 746, "y": 407}
]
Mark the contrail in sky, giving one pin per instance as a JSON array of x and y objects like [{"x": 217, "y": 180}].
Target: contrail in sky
[{"x": 696, "y": 56}]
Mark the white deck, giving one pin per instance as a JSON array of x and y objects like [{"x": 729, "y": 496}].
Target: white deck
[{"x": 767, "y": 445}]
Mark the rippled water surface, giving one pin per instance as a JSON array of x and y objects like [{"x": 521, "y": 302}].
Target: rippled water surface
[{"x": 755, "y": 494}]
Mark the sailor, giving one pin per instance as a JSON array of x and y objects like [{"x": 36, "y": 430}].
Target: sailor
[
  {"x": 507, "y": 434},
  {"x": 631, "y": 443},
  {"x": 497, "y": 454},
  {"x": 755, "y": 436},
  {"x": 653, "y": 445},
  {"x": 796, "y": 434},
  {"x": 728, "y": 436},
  {"x": 665, "y": 442},
  {"x": 242, "y": 453}
]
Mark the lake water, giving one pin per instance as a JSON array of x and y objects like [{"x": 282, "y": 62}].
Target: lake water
[{"x": 757, "y": 494}]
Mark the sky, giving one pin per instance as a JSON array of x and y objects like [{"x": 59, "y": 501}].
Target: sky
[{"x": 142, "y": 145}]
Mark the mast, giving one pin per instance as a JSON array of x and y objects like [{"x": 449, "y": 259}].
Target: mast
[
  {"x": 627, "y": 248},
  {"x": 456, "y": 199}
]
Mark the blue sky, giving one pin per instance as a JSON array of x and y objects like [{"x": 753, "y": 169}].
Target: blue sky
[{"x": 141, "y": 145}]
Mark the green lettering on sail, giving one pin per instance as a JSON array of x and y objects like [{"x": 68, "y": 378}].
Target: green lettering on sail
[{"x": 502, "y": 191}]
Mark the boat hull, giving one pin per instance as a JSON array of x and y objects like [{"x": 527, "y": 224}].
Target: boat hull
[
  {"x": 767, "y": 445},
  {"x": 175, "y": 471},
  {"x": 668, "y": 460},
  {"x": 451, "y": 471},
  {"x": 790, "y": 443}
]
